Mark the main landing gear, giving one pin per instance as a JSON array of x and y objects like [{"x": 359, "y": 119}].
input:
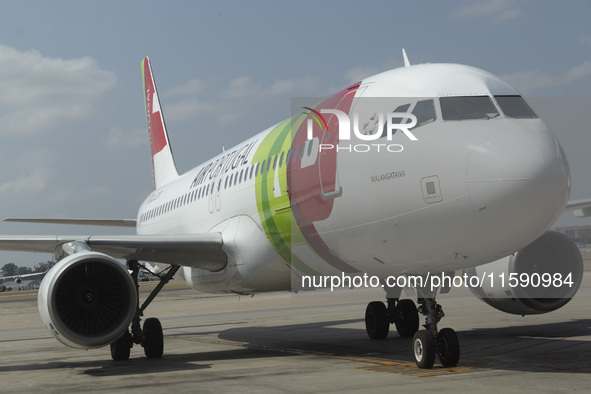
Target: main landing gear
[
  {"x": 150, "y": 337},
  {"x": 404, "y": 314}
]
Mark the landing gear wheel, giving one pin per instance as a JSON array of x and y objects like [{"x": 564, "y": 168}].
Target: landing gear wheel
[
  {"x": 121, "y": 348},
  {"x": 423, "y": 347},
  {"x": 408, "y": 323},
  {"x": 448, "y": 347},
  {"x": 377, "y": 323},
  {"x": 153, "y": 338}
]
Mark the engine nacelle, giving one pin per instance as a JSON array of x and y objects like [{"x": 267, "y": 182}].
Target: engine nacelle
[
  {"x": 553, "y": 253},
  {"x": 87, "y": 300}
]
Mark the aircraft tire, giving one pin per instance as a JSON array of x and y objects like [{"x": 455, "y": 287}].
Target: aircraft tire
[
  {"x": 377, "y": 323},
  {"x": 409, "y": 324},
  {"x": 448, "y": 347},
  {"x": 121, "y": 348},
  {"x": 423, "y": 347},
  {"x": 153, "y": 338}
]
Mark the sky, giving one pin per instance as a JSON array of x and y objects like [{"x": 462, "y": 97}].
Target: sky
[{"x": 72, "y": 121}]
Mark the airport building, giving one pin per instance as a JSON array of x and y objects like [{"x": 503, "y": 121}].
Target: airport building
[
  {"x": 579, "y": 234},
  {"x": 23, "y": 285}
]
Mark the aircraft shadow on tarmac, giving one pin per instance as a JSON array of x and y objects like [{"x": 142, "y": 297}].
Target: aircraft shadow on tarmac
[
  {"x": 537, "y": 347},
  {"x": 551, "y": 347}
]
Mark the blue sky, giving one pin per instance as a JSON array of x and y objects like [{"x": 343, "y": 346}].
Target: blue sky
[{"x": 71, "y": 107}]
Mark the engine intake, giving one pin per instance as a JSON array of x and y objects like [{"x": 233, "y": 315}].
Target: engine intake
[
  {"x": 554, "y": 254},
  {"x": 87, "y": 300}
]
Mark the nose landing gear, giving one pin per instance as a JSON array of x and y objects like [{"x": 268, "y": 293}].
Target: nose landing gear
[
  {"x": 426, "y": 343},
  {"x": 404, "y": 314}
]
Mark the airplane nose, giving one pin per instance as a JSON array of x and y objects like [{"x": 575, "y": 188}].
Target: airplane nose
[{"x": 519, "y": 184}]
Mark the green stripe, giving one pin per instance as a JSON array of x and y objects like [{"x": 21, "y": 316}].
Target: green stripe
[{"x": 275, "y": 212}]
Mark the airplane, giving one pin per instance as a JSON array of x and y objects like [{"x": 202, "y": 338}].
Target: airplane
[
  {"x": 416, "y": 172},
  {"x": 19, "y": 278}
]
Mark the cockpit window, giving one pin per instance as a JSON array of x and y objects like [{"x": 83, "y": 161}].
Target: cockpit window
[
  {"x": 425, "y": 112},
  {"x": 468, "y": 107},
  {"x": 399, "y": 109},
  {"x": 515, "y": 107}
]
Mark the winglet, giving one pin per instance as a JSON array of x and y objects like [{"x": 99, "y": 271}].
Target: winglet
[
  {"x": 406, "y": 62},
  {"x": 163, "y": 167}
]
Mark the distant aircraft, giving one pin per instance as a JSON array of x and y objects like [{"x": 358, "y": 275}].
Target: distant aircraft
[
  {"x": 344, "y": 188},
  {"x": 19, "y": 278}
]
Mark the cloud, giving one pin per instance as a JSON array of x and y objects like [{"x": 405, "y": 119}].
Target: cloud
[
  {"x": 358, "y": 73},
  {"x": 33, "y": 182},
  {"x": 498, "y": 10},
  {"x": 40, "y": 93},
  {"x": 191, "y": 87},
  {"x": 121, "y": 139},
  {"x": 585, "y": 40},
  {"x": 533, "y": 81},
  {"x": 233, "y": 101},
  {"x": 30, "y": 172},
  {"x": 245, "y": 88}
]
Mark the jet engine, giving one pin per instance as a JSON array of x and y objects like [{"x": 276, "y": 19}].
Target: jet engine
[
  {"x": 539, "y": 278},
  {"x": 87, "y": 300}
]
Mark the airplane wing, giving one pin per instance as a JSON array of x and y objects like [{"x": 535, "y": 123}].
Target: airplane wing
[
  {"x": 82, "y": 222},
  {"x": 580, "y": 208},
  {"x": 23, "y": 276},
  {"x": 194, "y": 250}
]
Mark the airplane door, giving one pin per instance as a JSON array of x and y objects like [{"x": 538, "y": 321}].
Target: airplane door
[
  {"x": 327, "y": 165},
  {"x": 218, "y": 194},
  {"x": 210, "y": 195},
  {"x": 327, "y": 160}
]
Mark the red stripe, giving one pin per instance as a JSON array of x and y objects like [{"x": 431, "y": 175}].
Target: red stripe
[{"x": 155, "y": 119}]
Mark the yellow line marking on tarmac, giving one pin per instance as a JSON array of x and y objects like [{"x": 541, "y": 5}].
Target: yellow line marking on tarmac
[
  {"x": 206, "y": 341},
  {"x": 378, "y": 365},
  {"x": 404, "y": 368}
]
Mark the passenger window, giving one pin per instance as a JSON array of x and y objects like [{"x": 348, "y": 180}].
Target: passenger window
[
  {"x": 275, "y": 162},
  {"x": 287, "y": 156},
  {"x": 281, "y": 159},
  {"x": 295, "y": 153}
]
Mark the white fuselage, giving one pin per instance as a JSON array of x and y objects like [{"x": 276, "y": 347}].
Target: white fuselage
[{"x": 468, "y": 191}]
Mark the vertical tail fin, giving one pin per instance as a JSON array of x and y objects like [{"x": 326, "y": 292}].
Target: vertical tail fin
[{"x": 163, "y": 167}]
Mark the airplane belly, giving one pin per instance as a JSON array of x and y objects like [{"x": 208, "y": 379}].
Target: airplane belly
[{"x": 253, "y": 265}]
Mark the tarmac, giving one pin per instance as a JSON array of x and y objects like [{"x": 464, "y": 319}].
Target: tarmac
[{"x": 277, "y": 342}]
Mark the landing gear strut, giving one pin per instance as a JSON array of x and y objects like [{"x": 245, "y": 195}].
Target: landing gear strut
[
  {"x": 404, "y": 314},
  {"x": 150, "y": 337},
  {"x": 426, "y": 343}
]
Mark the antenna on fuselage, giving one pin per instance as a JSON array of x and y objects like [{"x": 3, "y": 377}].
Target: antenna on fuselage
[{"x": 406, "y": 62}]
